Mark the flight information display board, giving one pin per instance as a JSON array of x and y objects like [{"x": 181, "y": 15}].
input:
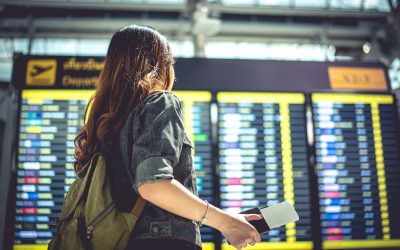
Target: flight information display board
[
  {"x": 263, "y": 160},
  {"x": 49, "y": 122},
  {"x": 357, "y": 163}
]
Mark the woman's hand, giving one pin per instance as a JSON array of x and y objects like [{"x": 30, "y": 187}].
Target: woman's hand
[{"x": 239, "y": 232}]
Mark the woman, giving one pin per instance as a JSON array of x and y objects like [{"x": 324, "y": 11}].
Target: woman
[{"x": 135, "y": 112}]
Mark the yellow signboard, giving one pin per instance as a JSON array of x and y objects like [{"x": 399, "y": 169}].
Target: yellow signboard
[
  {"x": 357, "y": 78},
  {"x": 41, "y": 72}
]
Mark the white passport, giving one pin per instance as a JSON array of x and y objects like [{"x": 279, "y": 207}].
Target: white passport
[
  {"x": 275, "y": 216},
  {"x": 279, "y": 214}
]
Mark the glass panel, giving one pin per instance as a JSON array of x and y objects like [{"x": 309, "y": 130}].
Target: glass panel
[
  {"x": 41, "y": 1},
  {"x": 182, "y": 48},
  {"x": 220, "y": 49},
  {"x": 146, "y": 1},
  {"x": 123, "y": 1},
  {"x": 252, "y": 51},
  {"x": 166, "y": 1},
  {"x": 380, "y": 5},
  {"x": 279, "y": 3},
  {"x": 93, "y": 47},
  {"x": 38, "y": 46},
  {"x": 394, "y": 73},
  {"x": 20, "y": 45},
  {"x": 55, "y": 46},
  {"x": 244, "y": 50},
  {"x": 6, "y": 48},
  {"x": 239, "y": 2},
  {"x": 345, "y": 4},
  {"x": 86, "y": 1},
  {"x": 5, "y": 70},
  {"x": 310, "y": 3}
]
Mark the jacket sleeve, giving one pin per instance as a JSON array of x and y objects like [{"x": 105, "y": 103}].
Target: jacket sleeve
[{"x": 158, "y": 147}]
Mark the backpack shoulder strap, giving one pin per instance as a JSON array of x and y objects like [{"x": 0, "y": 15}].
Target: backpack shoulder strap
[
  {"x": 89, "y": 174},
  {"x": 138, "y": 207}
]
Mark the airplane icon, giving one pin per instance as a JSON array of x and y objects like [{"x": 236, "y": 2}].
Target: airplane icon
[{"x": 39, "y": 70}]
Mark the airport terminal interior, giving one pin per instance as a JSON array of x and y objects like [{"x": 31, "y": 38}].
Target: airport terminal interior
[{"x": 284, "y": 100}]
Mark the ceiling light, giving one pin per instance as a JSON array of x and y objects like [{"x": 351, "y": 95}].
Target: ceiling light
[{"x": 366, "y": 47}]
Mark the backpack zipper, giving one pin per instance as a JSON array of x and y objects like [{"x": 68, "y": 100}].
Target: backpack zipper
[{"x": 99, "y": 218}]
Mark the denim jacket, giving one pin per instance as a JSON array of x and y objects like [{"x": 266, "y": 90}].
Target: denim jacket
[{"x": 154, "y": 146}]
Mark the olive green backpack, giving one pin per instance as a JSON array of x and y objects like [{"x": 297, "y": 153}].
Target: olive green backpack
[{"x": 90, "y": 219}]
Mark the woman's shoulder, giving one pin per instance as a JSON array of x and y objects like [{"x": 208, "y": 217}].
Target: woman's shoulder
[
  {"x": 153, "y": 106},
  {"x": 161, "y": 100},
  {"x": 155, "y": 103}
]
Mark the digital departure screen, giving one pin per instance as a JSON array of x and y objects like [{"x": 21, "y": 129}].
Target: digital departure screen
[
  {"x": 357, "y": 163},
  {"x": 49, "y": 122},
  {"x": 263, "y": 160}
]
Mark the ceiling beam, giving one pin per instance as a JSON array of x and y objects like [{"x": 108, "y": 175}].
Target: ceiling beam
[
  {"x": 178, "y": 30},
  {"x": 291, "y": 11},
  {"x": 96, "y": 5}
]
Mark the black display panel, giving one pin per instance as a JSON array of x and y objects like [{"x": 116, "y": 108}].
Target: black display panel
[
  {"x": 263, "y": 159},
  {"x": 49, "y": 122},
  {"x": 357, "y": 162}
]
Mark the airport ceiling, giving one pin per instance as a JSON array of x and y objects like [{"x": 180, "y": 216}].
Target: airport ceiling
[{"x": 346, "y": 24}]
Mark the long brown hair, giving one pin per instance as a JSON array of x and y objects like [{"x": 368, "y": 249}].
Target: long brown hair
[{"x": 138, "y": 62}]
